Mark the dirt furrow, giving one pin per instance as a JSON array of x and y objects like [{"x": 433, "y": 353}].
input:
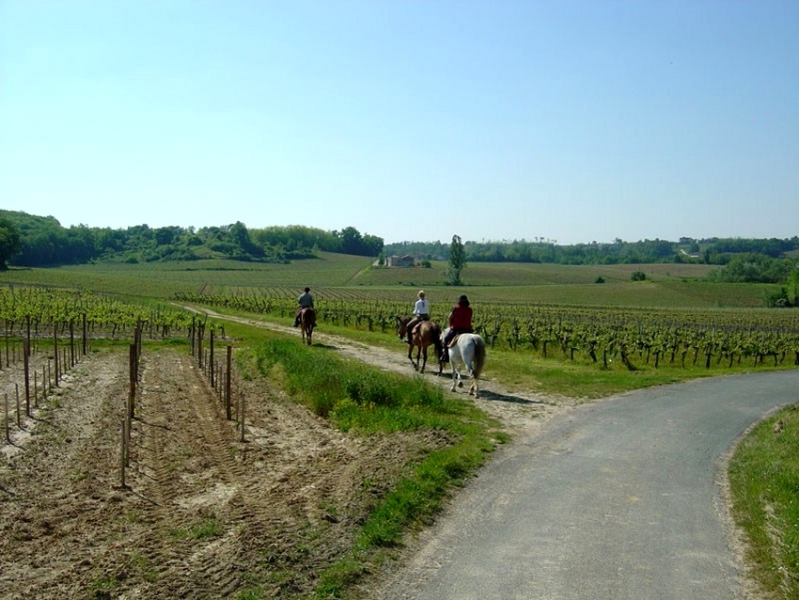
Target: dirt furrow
[{"x": 54, "y": 520}]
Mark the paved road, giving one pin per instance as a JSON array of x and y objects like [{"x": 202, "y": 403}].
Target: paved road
[{"x": 619, "y": 500}]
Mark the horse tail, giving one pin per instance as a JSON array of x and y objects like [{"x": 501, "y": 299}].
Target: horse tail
[
  {"x": 436, "y": 332},
  {"x": 479, "y": 356}
]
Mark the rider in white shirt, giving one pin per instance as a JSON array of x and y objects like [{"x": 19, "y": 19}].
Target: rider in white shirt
[{"x": 421, "y": 312}]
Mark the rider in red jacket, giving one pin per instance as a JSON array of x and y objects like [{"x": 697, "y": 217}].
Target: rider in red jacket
[{"x": 460, "y": 321}]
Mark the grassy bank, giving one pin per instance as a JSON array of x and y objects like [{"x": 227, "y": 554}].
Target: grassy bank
[
  {"x": 365, "y": 400},
  {"x": 764, "y": 481}
]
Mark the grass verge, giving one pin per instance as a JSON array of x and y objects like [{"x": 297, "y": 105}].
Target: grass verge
[{"x": 764, "y": 482}]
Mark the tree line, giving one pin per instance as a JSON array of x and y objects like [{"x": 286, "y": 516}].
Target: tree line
[
  {"x": 711, "y": 251},
  {"x": 35, "y": 241}
]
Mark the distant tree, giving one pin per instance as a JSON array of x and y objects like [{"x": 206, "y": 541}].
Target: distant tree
[
  {"x": 457, "y": 260},
  {"x": 793, "y": 283},
  {"x": 638, "y": 276},
  {"x": 9, "y": 242}
]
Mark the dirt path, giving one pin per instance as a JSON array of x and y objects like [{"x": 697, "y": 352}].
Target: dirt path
[{"x": 521, "y": 413}]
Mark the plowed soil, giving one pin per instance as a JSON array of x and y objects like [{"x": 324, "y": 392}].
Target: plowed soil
[{"x": 202, "y": 514}]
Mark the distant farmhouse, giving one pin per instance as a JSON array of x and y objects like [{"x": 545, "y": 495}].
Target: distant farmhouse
[{"x": 400, "y": 261}]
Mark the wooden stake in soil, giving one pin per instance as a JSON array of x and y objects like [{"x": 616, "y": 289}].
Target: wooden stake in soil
[
  {"x": 211, "y": 359},
  {"x": 56, "y": 364},
  {"x": 227, "y": 381},
  {"x": 8, "y": 432},
  {"x": 123, "y": 452},
  {"x": 19, "y": 416},
  {"x": 72, "y": 358},
  {"x": 27, "y": 378},
  {"x": 132, "y": 387},
  {"x": 241, "y": 415}
]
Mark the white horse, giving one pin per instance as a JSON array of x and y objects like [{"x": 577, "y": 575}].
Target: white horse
[{"x": 469, "y": 350}]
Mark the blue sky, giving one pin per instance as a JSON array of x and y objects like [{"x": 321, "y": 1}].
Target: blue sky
[{"x": 572, "y": 121}]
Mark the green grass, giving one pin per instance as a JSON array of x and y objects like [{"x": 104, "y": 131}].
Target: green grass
[
  {"x": 206, "y": 528},
  {"x": 358, "y": 397},
  {"x": 764, "y": 479}
]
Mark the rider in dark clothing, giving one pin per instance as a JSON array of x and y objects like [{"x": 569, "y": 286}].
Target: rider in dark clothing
[
  {"x": 305, "y": 300},
  {"x": 460, "y": 321}
]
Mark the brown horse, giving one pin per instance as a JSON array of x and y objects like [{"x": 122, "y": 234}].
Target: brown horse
[
  {"x": 425, "y": 334},
  {"x": 307, "y": 323}
]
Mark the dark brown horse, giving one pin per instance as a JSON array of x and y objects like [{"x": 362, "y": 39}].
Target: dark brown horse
[
  {"x": 307, "y": 323},
  {"x": 425, "y": 334}
]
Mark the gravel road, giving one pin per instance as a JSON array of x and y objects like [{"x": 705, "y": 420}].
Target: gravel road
[{"x": 621, "y": 499}]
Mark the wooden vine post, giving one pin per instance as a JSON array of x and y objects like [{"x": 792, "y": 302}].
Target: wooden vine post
[
  {"x": 8, "y": 431},
  {"x": 241, "y": 416},
  {"x": 26, "y": 361},
  {"x": 72, "y": 359},
  {"x": 123, "y": 454},
  {"x": 132, "y": 387},
  {"x": 56, "y": 361},
  {"x": 211, "y": 358},
  {"x": 227, "y": 382},
  {"x": 200, "y": 328},
  {"x": 192, "y": 328}
]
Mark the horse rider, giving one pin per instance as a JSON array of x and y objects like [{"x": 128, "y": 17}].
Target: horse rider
[
  {"x": 460, "y": 321},
  {"x": 421, "y": 312},
  {"x": 305, "y": 300}
]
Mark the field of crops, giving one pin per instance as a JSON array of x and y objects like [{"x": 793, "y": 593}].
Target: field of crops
[{"x": 681, "y": 336}]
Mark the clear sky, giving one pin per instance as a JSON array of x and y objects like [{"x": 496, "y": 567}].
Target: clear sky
[{"x": 569, "y": 120}]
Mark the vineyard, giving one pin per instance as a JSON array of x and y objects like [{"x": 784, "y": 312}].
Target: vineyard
[
  {"x": 137, "y": 474},
  {"x": 635, "y": 336},
  {"x": 47, "y": 332}
]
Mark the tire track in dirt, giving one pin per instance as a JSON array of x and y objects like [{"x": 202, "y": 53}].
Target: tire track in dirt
[
  {"x": 60, "y": 477},
  {"x": 189, "y": 475},
  {"x": 262, "y": 498}
]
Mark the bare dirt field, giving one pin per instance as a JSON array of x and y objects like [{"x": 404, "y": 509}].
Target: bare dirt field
[{"x": 204, "y": 515}]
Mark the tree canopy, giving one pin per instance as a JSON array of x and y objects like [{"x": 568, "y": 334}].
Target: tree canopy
[
  {"x": 42, "y": 241},
  {"x": 9, "y": 242}
]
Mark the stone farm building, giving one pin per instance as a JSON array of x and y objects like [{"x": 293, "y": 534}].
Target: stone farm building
[{"x": 400, "y": 261}]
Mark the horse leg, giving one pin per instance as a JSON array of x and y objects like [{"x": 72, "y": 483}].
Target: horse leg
[
  {"x": 473, "y": 387},
  {"x": 424, "y": 360},
  {"x": 410, "y": 356}
]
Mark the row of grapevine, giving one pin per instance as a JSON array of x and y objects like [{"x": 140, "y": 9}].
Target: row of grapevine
[
  {"x": 37, "y": 312},
  {"x": 653, "y": 336}
]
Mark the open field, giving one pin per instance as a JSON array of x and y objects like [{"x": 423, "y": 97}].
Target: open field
[{"x": 335, "y": 276}]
